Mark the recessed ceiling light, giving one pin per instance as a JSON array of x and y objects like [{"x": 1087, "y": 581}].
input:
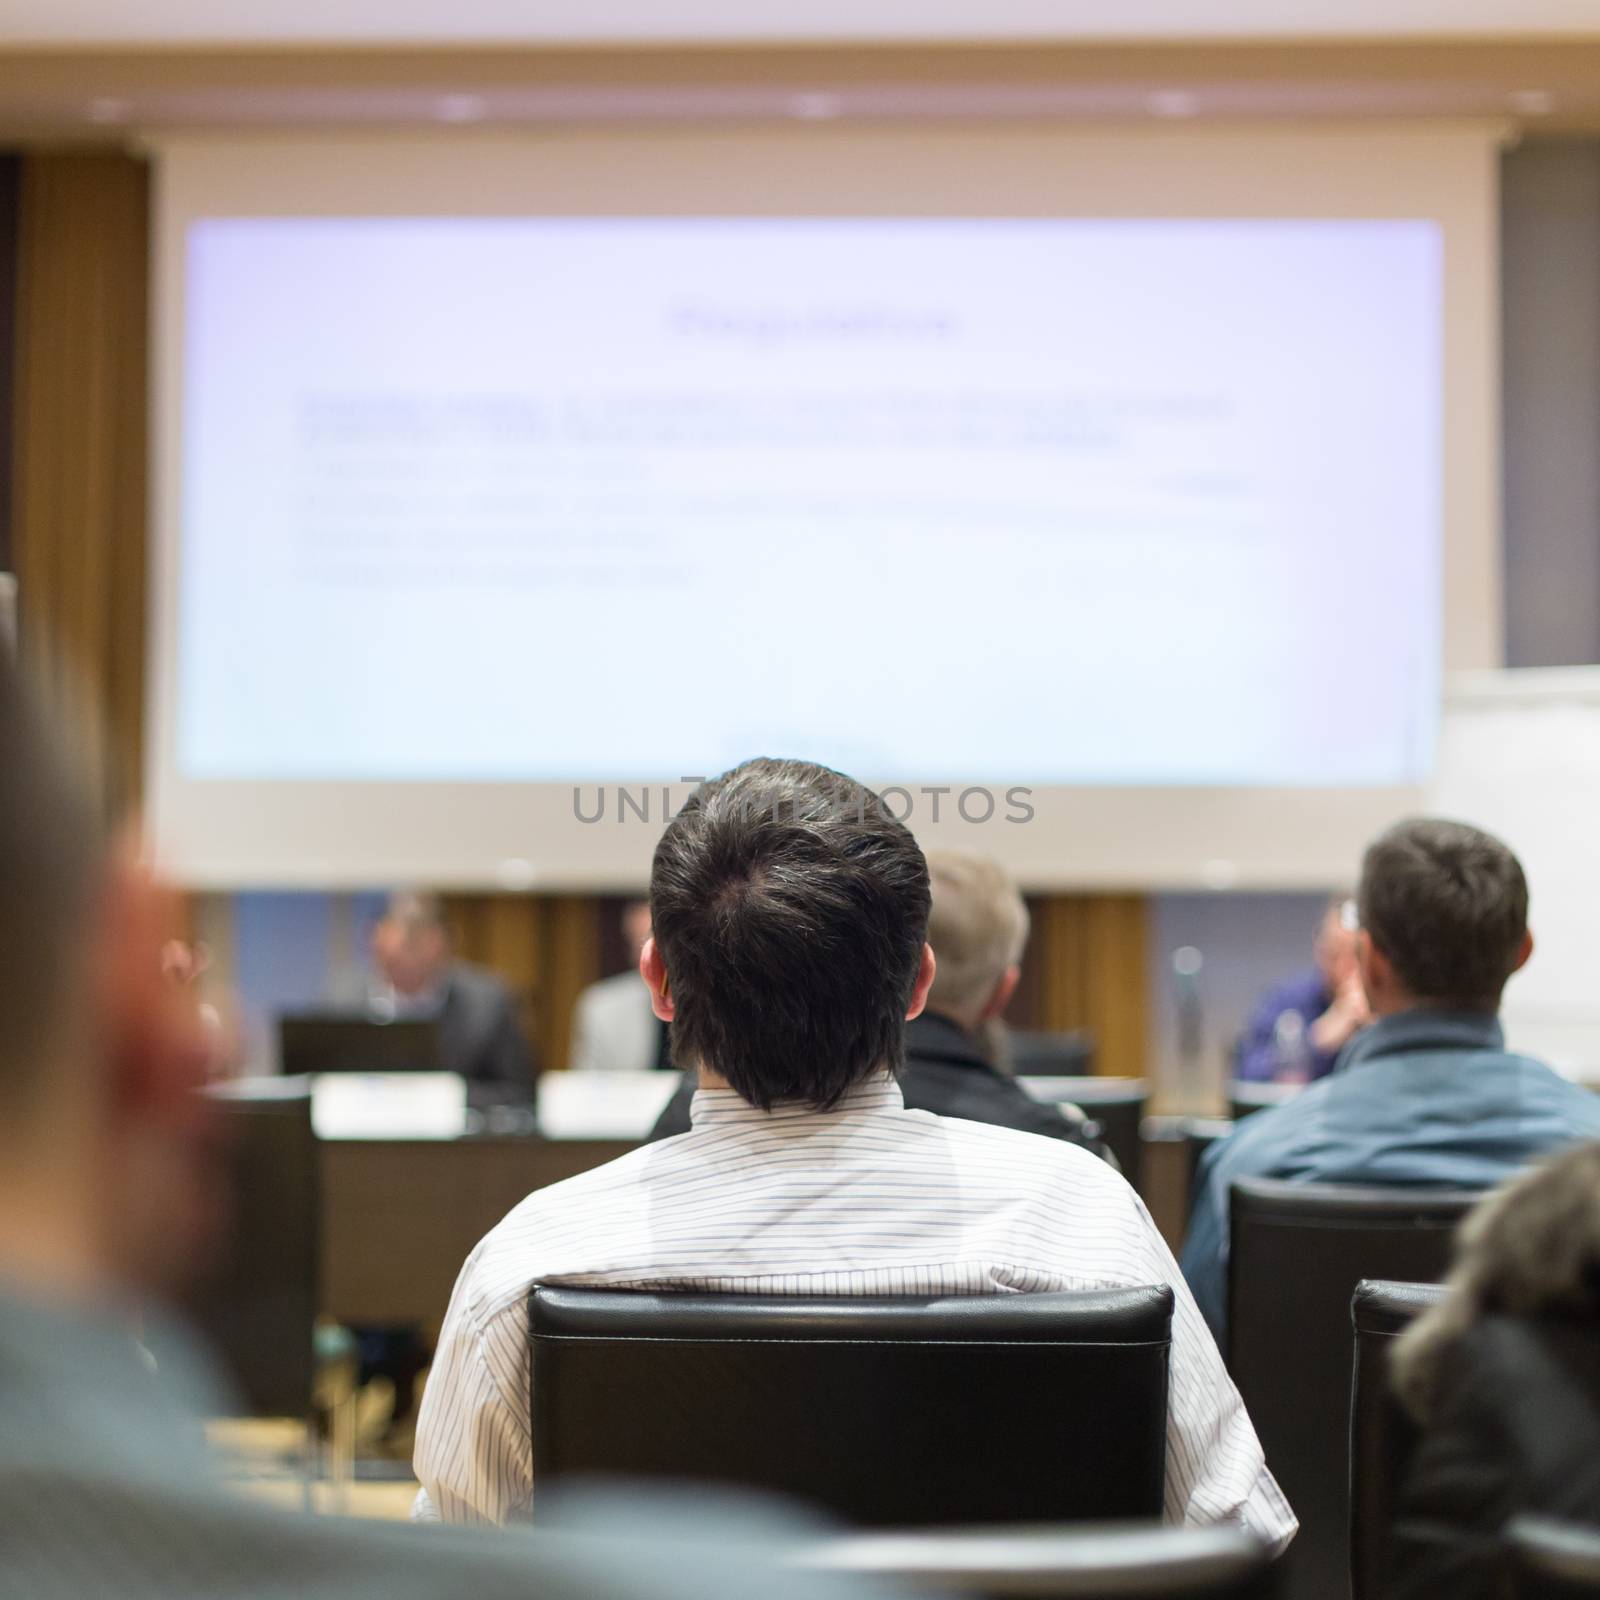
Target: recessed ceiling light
[
  {"x": 815, "y": 107},
  {"x": 459, "y": 108},
  {"x": 1533, "y": 102},
  {"x": 105, "y": 110},
  {"x": 1173, "y": 103}
]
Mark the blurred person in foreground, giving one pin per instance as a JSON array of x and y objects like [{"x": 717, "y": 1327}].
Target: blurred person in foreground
[
  {"x": 978, "y": 930},
  {"x": 109, "y": 1189},
  {"x": 419, "y": 978},
  {"x": 1428, "y": 1095},
  {"x": 790, "y": 916},
  {"x": 1503, "y": 1380},
  {"x": 614, "y": 1027},
  {"x": 1299, "y": 1026}
]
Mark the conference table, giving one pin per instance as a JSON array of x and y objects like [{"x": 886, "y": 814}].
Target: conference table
[{"x": 399, "y": 1216}]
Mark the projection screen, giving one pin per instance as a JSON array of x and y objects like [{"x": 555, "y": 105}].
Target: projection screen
[{"x": 1117, "y": 499}]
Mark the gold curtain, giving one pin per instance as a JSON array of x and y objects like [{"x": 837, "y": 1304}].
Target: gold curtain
[
  {"x": 78, "y": 490},
  {"x": 1089, "y": 953},
  {"x": 547, "y": 947}
]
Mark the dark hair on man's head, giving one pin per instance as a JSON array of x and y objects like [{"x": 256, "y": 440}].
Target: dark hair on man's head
[
  {"x": 1447, "y": 904},
  {"x": 50, "y": 855},
  {"x": 790, "y": 909}
]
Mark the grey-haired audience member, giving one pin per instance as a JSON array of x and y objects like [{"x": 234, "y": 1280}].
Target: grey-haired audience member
[{"x": 1503, "y": 1378}]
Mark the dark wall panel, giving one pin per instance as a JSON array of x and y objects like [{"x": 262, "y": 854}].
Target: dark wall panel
[
  {"x": 10, "y": 187},
  {"x": 1550, "y": 262}
]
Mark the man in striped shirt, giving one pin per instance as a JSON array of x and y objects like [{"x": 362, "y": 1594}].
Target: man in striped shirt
[{"x": 790, "y": 910}]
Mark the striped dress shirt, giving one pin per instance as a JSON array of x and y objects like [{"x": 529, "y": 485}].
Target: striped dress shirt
[{"x": 866, "y": 1199}]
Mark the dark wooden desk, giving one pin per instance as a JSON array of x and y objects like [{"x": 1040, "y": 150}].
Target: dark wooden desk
[{"x": 400, "y": 1216}]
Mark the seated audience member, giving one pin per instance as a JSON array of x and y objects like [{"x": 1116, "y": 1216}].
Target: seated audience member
[
  {"x": 978, "y": 928},
  {"x": 108, "y": 1186},
  {"x": 614, "y": 1026},
  {"x": 1296, "y": 1032},
  {"x": 1428, "y": 1094},
  {"x": 1503, "y": 1379},
  {"x": 479, "y": 1034},
  {"x": 790, "y": 912}
]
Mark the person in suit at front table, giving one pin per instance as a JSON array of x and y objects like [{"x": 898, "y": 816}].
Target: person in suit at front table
[
  {"x": 614, "y": 1028},
  {"x": 955, "y": 1051},
  {"x": 417, "y": 977}
]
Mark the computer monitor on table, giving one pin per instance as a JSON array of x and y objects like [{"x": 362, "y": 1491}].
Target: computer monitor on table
[{"x": 315, "y": 1042}]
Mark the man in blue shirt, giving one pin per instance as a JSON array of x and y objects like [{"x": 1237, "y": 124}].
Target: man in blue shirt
[
  {"x": 1300, "y": 1025},
  {"x": 1428, "y": 1095}
]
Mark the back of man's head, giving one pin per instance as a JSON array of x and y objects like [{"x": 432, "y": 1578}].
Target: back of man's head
[
  {"x": 51, "y": 853},
  {"x": 978, "y": 929},
  {"x": 1446, "y": 907},
  {"x": 790, "y": 910}
]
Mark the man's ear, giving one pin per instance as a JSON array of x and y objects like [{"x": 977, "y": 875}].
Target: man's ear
[
  {"x": 1003, "y": 991},
  {"x": 1377, "y": 976},
  {"x": 925, "y": 972},
  {"x": 157, "y": 1046},
  {"x": 1525, "y": 953},
  {"x": 654, "y": 972}
]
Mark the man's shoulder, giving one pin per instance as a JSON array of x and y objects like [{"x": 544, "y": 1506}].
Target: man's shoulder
[
  {"x": 1269, "y": 1139},
  {"x": 1581, "y": 1099},
  {"x": 478, "y": 985},
  {"x": 984, "y": 1097},
  {"x": 555, "y": 1229},
  {"x": 1028, "y": 1159},
  {"x": 1303, "y": 991}
]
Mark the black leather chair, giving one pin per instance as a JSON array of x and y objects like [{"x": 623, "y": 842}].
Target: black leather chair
[
  {"x": 900, "y": 1411},
  {"x": 1117, "y": 1105},
  {"x": 1051, "y": 1055},
  {"x": 1246, "y": 1098},
  {"x": 1130, "y": 1562},
  {"x": 256, "y": 1304},
  {"x": 1382, "y": 1437},
  {"x": 1199, "y": 1134},
  {"x": 1297, "y": 1253},
  {"x": 1550, "y": 1560}
]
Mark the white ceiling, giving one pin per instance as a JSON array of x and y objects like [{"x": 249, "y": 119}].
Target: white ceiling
[{"x": 380, "y": 22}]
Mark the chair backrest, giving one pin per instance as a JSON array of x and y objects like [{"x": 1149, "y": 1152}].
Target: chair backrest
[
  {"x": 1054, "y": 1055},
  {"x": 1550, "y": 1560},
  {"x": 1131, "y": 1562},
  {"x": 1382, "y": 1437},
  {"x": 1297, "y": 1253},
  {"x": 899, "y": 1411},
  {"x": 257, "y": 1304},
  {"x": 1199, "y": 1134},
  {"x": 1246, "y": 1098},
  {"x": 1117, "y": 1105}
]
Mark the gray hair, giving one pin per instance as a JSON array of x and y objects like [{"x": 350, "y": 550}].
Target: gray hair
[
  {"x": 1531, "y": 1248},
  {"x": 415, "y": 910},
  {"x": 978, "y": 927}
]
